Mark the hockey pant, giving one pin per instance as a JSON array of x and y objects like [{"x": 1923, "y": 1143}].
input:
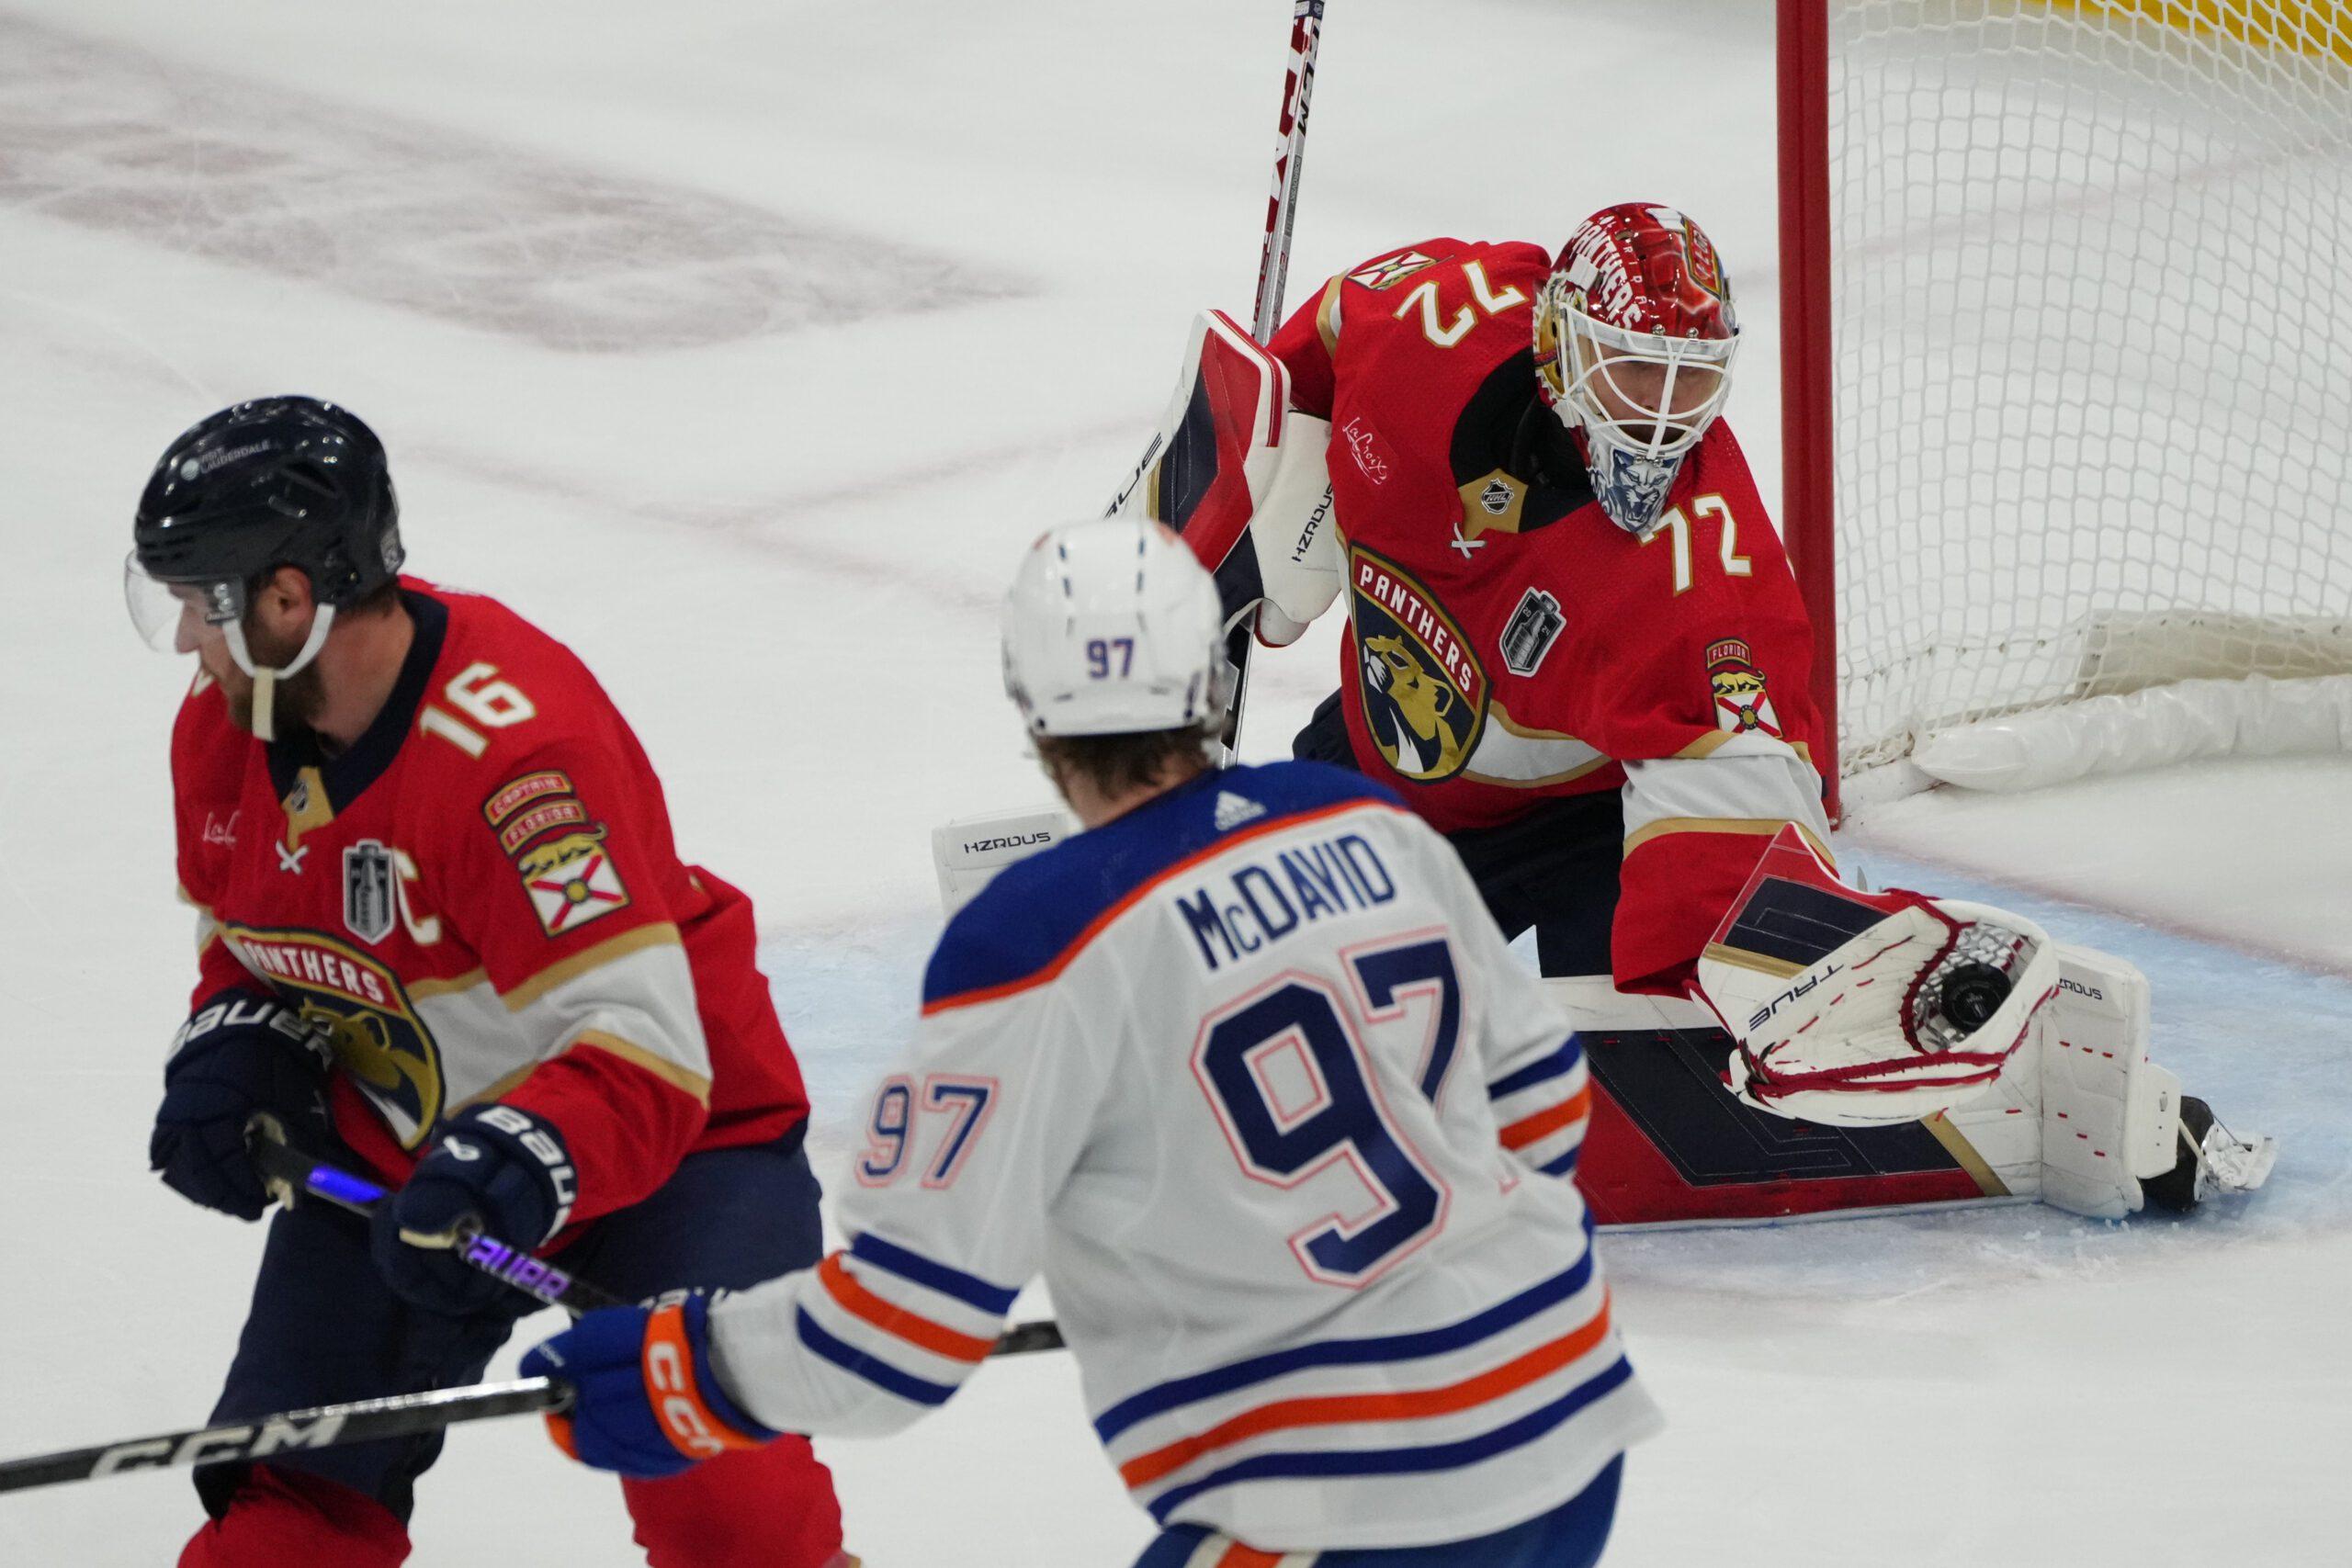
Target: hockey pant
[
  {"x": 323, "y": 1328},
  {"x": 1570, "y": 1536}
]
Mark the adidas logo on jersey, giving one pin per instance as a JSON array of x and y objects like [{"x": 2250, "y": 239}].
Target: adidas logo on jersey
[{"x": 1232, "y": 810}]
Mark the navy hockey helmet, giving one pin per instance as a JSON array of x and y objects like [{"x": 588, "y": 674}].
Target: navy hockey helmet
[{"x": 277, "y": 481}]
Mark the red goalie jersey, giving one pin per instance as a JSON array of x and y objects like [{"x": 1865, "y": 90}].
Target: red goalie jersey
[
  {"x": 483, "y": 895},
  {"x": 1507, "y": 642}
]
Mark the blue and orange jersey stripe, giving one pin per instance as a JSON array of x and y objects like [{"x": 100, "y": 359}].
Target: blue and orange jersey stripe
[{"x": 1325, "y": 1410}]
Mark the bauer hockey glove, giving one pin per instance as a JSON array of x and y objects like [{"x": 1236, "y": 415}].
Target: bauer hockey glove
[
  {"x": 240, "y": 1055},
  {"x": 645, "y": 1400},
  {"x": 497, "y": 1170}
]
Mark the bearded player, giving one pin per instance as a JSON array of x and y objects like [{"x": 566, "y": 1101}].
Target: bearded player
[
  {"x": 444, "y": 933},
  {"x": 1573, "y": 644}
]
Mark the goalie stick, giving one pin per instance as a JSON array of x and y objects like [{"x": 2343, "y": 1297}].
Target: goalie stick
[
  {"x": 1273, "y": 268},
  {"x": 968, "y": 851}
]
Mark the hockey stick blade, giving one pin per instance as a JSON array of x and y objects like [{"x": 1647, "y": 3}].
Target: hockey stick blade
[{"x": 325, "y": 1426}]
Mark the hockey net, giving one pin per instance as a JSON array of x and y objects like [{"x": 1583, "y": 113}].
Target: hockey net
[{"x": 2091, "y": 366}]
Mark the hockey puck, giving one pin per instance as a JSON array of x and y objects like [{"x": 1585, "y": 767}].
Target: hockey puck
[{"x": 1973, "y": 994}]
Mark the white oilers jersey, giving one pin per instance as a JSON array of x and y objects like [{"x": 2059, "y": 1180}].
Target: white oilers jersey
[{"x": 1248, "y": 1076}]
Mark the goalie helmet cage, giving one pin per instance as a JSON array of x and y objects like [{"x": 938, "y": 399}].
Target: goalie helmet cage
[{"x": 2067, "y": 357}]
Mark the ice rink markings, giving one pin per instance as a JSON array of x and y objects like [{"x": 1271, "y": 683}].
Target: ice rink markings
[{"x": 564, "y": 255}]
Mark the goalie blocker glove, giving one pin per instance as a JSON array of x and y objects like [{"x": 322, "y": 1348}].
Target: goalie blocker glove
[
  {"x": 1245, "y": 478},
  {"x": 497, "y": 1170},
  {"x": 1859, "y": 1009}
]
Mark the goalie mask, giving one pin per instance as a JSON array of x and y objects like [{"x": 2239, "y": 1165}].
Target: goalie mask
[
  {"x": 1115, "y": 628},
  {"x": 1635, "y": 335}
]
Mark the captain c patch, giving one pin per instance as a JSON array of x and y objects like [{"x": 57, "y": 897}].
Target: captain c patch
[
  {"x": 571, "y": 881},
  {"x": 1741, "y": 702},
  {"x": 513, "y": 797}
]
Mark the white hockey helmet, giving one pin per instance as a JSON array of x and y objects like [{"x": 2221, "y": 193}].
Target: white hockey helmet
[{"x": 1113, "y": 627}]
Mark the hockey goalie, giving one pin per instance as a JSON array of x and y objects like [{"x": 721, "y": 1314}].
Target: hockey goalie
[{"x": 1573, "y": 645}]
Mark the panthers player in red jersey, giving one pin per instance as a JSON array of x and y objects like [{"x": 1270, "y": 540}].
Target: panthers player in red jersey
[
  {"x": 444, "y": 933},
  {"x": 1574, "y": 644}
]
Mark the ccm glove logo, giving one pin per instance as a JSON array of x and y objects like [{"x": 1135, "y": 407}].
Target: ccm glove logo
[{"x": 668, "y": 1364}]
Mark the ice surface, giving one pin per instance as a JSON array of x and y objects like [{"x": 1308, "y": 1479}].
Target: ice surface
[{"x": 768, "y": 476}]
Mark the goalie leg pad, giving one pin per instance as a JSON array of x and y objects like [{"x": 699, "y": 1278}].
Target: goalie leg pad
[{"x": 2082, "y": 1118}]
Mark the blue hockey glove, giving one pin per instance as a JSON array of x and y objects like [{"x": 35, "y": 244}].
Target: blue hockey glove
[
  {"x": 240, "y": 1055},
  {"x": 497, "y": 1170},
  {"x": 645, "y": 1401}
]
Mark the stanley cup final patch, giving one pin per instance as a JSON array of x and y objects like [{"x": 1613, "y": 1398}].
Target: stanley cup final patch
[
  {"x": 571, "y": 881},
  {"x": 1741, "y": 702},
  {"x": 1532, "y": 630},
  {"x": 367, "y": 892}
]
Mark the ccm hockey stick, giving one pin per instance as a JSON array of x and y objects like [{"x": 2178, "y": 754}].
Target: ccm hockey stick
[
  {"x": 370, "y": 1420},
  {"x": 1274, "y": 269},
  {"x": 325, "y": 1426},
  {"x": 292, "y": 1173}
]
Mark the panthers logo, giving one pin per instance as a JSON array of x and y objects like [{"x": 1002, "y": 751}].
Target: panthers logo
[
  {"x": 1424, "y": 693},
  {"x": 376, "y": 1034}
]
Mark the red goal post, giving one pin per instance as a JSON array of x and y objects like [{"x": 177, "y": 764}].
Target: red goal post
[{"x": 2067, "y": 379}]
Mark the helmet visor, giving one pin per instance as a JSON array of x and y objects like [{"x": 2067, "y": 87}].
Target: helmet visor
[{"x": 169, "y": 617}]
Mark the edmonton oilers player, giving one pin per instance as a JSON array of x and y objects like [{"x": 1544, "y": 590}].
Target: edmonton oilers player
[
  {"x": 445, "y": 933},
  {"x": 1246, "y": 1072}
]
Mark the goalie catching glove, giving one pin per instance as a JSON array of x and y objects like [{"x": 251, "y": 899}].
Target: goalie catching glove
[{"x": 1858, "y": 1009}]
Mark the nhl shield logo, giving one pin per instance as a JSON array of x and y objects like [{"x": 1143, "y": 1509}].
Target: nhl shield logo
[
  {"x": 1423, "y": 692},
  {"x": 367, "y": 890}
]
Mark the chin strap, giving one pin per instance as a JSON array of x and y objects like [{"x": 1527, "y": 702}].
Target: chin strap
[{"x": 265, "y": 679}]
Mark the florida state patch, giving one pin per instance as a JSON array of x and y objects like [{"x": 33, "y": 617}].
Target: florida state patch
[
  {"x": 571, "y": 881},
  {"x": 1741, "y": 702}
]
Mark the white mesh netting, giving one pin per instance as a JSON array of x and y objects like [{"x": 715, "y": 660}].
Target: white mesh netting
[{"x": 2093, "y": 351}]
